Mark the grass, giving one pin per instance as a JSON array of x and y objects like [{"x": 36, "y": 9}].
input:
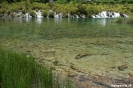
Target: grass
[{"x": 22, "y": 71}]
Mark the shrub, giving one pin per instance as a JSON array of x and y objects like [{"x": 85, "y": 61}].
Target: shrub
[
  {"x": 51, "y": 14},
  {"x": 120, "y": 20},
  {"x": 45, "y": 13},
  {"x": 32, "y": 13},
  {"x": 3, "y": 11},
  {"x": 39, "y": 6},
  {"x": 129, "y": 20}
]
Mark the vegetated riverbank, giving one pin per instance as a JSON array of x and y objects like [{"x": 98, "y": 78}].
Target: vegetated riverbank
[
  {"x": 48, "y": 9},
  {"x": 22, "y": 71}
]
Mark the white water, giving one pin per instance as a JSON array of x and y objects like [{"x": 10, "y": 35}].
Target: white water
[
  {"x": 39, "y": 14},
  {"x": 105, "y": 14},
  {"x": 27, "y": 15},
  {"x": 58, "y": 15}
]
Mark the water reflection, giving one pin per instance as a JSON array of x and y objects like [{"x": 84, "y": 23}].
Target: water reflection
[
  {"x": 27, "y": 19},
  {"x": 101, "y": 21},
  {"x": 57, "y": 20},
  {"x": 70, "y": 21},
  {"x": 18, "y": 20},
  {"x": 52, "y": 28},
  {"x": 39, "y": 21}
]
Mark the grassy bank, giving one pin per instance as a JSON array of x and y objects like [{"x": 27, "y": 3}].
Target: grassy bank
[
  {"x": 22, "y": 71},
  {"x": 79, "y": 9}
]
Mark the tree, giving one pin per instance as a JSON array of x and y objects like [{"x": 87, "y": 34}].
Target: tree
[{"x": 62, "y": 1}]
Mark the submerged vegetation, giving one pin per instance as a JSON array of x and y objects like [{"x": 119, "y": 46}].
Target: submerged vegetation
[
  {"x": 22, "y": 71},
  {"x": 123, "y": 20}
]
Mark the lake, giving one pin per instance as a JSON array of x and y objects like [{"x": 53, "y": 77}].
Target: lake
[{"x": 89, "y": 46}]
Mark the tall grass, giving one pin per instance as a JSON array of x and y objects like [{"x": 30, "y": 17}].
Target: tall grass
[{"x": 20, "y": 71}]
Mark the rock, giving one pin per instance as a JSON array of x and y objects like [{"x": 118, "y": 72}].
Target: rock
[
  {"x": 82, "y": 55},
  {"x": 71, "y": 75},
  {"x": 56, "y": 62},
  {"x": 104, "y": 53},
  {"x": 123, "y": 67},
  {"x": 73, "y": 67},
  {"x": 113, "y": 67}
]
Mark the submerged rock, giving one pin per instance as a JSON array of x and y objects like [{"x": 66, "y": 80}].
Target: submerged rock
[
  {"x": 79, "y": 56},
  {"x": 122, "y": 67}
]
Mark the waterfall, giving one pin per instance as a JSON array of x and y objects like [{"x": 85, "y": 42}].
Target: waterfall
[
  {"x": 58, "y": 15},
  {"x": 39, "y": 14},
  {"x": 27, "y": 15},
  {"x": 77, "y": 16},
  {"x": 105, "y": 14}
]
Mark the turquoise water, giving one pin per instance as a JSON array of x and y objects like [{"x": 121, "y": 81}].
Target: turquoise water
[
  {"x": 105, "y": 45},
  {"x": 63, "y": 28}
]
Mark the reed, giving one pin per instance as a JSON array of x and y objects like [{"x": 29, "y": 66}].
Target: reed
[{"x": 20, "y": 71}]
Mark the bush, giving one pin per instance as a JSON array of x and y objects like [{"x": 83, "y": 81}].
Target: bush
[
  {"x": 40, "y": 6},
  {"x": 45, "y": 13},
  {"x": 129, "y": 20},
  {"x": 3, "y": 11},
  {"x": 120, "y": 20},
  {"x": 51, "y": 14},
  {"x": 32, "y": 13}
]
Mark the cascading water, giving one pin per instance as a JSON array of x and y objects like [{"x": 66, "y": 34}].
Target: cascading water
[
  {"x": 39, "y": 14},
  {"x": 27, "y": 15},
  {"x": 58, "y": 15},
  {"x": 105, "y": 14}
]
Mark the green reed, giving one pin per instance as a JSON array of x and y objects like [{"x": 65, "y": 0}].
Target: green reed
[{"x": 22, "y": 71}]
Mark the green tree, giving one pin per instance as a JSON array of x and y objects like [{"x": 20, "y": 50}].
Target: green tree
[
  {"x": 77, "y": 1},
  {"x": 62, "y": 1},
  {"x": 43, "y": 1}
]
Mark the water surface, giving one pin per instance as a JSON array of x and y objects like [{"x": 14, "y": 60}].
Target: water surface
[{"x": 102, "y": 44}]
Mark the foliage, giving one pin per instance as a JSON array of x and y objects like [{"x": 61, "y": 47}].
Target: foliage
[
  {"x": 45, "y": 13},
  {"x": 32, "y": 13},
  {"x": 40, "y": 6},
  {"x": 93, "y": 9},
  {"x": 61, "y": 1},
  {"x": 120, "y": 20},
  {"x": 51, "y": 14},
  {"x": 68, "y": 1},
  {"x": 129, "y": 20},
  {"x": 78, "y": 8}
]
